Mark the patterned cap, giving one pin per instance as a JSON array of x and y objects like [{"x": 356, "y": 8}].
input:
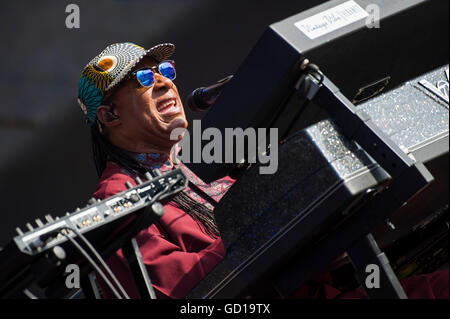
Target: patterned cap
[{"x": 109, "y": 68}]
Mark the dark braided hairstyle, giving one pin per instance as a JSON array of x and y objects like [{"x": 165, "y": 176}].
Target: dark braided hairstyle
[{"x": 104, "y": 151}]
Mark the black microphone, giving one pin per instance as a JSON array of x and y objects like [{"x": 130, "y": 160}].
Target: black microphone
[{"x": 201, "y": 99}]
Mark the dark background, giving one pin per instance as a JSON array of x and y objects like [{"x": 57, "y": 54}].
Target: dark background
[{"x": 46, "y": 164}]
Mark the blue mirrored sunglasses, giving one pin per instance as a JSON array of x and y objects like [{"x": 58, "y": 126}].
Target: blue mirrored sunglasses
[{"x": 146, "y": 76}]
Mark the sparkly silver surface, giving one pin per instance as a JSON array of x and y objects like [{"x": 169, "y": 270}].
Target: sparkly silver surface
[
  {"x": 345, "y": 156},
  {"x": 411, "y": 115}
]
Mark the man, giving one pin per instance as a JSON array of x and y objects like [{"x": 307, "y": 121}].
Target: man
[
  {"x": 132, "y": 104},
  {"x": 129, "y": 99}
]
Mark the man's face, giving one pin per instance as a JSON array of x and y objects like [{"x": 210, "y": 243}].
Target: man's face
[{"x": 149, "y": 115}]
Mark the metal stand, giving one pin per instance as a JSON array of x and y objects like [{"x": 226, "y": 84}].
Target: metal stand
[
  {"x": 355, "y": 238},
  {"x": 147, "y": 216},
  {"x": 366, "y": 252},
  {"x": 134, "y": 259}
]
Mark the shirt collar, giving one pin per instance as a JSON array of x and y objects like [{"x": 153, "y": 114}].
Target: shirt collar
[{"x": 152, "y": 160}]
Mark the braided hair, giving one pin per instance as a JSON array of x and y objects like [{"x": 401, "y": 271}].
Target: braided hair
[{"x": 104, "y": 151}]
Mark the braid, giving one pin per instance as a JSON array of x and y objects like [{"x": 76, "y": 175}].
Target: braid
[
  {"x": 103, "y": 151},
  {"x": 203, "y": 215}
]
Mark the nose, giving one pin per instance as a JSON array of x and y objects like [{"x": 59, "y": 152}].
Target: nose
[{"x": 162, "y": 83}]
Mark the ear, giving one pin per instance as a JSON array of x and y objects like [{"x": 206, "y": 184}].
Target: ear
[{"x": 106, "y": 117}]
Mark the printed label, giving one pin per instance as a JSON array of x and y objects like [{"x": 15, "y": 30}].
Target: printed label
[{"x": 331, "y": 19}]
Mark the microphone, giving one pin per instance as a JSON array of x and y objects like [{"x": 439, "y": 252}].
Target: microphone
[{"x": 201, "y": 99}]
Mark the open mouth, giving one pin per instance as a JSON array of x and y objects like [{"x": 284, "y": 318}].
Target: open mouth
[{"x": 168, "y": 106}]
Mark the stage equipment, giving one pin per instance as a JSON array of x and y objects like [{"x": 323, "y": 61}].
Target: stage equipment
[
  {"x": 340, "y": 173},
  {"x": 361, "y": 61},
  {"x": 37, "y": 257}
]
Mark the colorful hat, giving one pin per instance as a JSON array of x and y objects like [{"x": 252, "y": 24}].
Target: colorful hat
[{"x": 109, "y": 68}]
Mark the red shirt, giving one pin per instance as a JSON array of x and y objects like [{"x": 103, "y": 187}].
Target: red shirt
[{"x": 175, "y": 249}]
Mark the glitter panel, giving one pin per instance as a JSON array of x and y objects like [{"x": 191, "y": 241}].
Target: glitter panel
[{"x": 410, "y": 114}]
